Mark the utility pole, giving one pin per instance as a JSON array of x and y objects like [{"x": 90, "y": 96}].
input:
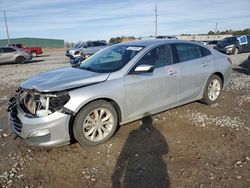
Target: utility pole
[
  {"x": 215, "y": 30},
  {"x": 156, "y": 15},
  {"x": 6, "y": 25}
]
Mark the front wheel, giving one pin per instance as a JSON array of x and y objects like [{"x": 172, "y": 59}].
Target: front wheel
[
  {"x": 212, "y": 90},
  {"x": 20, "y": 60},
  {"x": 95, "y": 123}
]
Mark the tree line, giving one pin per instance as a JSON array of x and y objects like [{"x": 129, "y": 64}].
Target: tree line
[
  {"x": 114, "y": 40},
  {"x": 231, "y": 32}
]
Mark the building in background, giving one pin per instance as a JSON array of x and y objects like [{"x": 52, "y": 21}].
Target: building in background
[
  {"x": 191, "y": 37},
  {"x": 35, "y": 42},
  {"x": 202, "y": 37}
]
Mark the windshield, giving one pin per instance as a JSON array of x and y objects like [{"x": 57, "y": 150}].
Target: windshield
[
  {"x": 79, "y": 45},
  {"x": 229, "y": 40},
  {"x": 111, "y": 59}
]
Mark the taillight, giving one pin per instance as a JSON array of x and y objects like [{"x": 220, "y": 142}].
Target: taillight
[{"x": 229, "y": 60}]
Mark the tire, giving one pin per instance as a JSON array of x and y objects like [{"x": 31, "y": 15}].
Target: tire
[
  {"x": 236, "y": 51},
  {"x": 88, "y": 129},
  {"x": 20, "y": 60},
  {"x": 212, "y": 93},
  {"x": 33, "y": 54}
]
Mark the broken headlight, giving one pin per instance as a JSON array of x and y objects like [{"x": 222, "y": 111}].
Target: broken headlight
[{"x": 42, "y": 104}]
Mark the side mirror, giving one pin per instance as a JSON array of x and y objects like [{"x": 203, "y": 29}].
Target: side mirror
[{"x": 144, "y": 69}]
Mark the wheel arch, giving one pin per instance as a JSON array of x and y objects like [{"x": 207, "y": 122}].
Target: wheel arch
[
  {"x": 114, "y": 104},
  {"x": 19, "y": 56},
  {"x": 221, "y": 77}
]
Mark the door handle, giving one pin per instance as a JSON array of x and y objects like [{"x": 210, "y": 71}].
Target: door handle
[
  {"x": 203, "y": 64},
  {"x": 172, "y": 73}
]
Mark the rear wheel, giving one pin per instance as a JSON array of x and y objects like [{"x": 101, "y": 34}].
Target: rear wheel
[
  {"x": 212, "y": 90},
  {"x": 95, "y": 123},
  {"x": 20, "y": 60}
]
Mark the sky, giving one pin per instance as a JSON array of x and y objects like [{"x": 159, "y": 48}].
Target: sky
[{"x": 74, "y": 20}]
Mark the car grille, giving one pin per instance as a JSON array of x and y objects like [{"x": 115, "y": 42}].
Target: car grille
[{"x": 15, "y": 122}]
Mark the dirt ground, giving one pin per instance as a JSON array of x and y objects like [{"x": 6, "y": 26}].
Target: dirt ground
[{"x": 194, "y": 145}]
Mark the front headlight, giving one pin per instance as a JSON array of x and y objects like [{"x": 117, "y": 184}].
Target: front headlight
[
  {"x": 230, "y": 46},
  {"x": 59, "y": 100},
  {"x": 41, "y": 104}
]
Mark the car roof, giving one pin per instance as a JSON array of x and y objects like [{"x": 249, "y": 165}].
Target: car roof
[{"x": 154, "y": 42}]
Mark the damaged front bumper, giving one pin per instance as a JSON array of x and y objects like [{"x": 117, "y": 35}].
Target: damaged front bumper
[{"x": 50, "y": 130}]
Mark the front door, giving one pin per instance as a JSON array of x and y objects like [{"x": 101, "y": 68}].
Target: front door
[{"x": 151, "y": 92}]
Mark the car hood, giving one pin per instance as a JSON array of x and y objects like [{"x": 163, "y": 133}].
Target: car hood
[
  {"x": 75, "y": 49},
  {"x": 63, "y": 79}
]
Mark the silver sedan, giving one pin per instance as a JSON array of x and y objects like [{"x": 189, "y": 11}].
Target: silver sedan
[
  {"x": 13, "y": 55},
  {"x": 117, "y": 85}
]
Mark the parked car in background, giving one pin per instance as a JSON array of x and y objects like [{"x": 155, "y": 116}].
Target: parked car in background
[
  {"x": 13, "y": 55},
  {"x": 234, "y": 45},
  {"x": 166, "y": 37},
  {"x": 34, "y": 51},
  {"x": 86, "y": 48},
  {"x": 77, "y": 60},
  {"x": 213, "y": 42},
  {"x": 248, "y": 63},
  {"x": 204, "y": 42},
  {"x": 117, "y": 85}
]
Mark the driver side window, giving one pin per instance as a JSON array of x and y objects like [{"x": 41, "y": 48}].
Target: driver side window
[{"x": 159, "y": 56}]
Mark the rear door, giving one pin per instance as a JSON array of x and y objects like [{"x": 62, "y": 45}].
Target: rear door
[
  {"x": 193, "y": 63},
  {"x": 89, "y": 48},
  {"x": 97, "y": 46},
  {"x": 7, "y": 54},
  {"x": 1, "y": 56}
]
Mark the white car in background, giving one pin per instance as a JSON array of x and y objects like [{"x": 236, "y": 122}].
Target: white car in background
[{"x": 86, "y": 48}]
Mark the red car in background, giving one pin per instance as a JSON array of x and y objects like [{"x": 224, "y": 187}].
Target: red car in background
[{"x": 34, "y": 51}]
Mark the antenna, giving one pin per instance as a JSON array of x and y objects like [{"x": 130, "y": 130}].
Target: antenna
[{"x": 6, "y": 25}]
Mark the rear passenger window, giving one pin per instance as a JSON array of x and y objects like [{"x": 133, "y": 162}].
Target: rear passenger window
[
  {"x": 187, "y": 52},
  {"x": 204, "y": 51},
  {"x": 6, "y": 50}
]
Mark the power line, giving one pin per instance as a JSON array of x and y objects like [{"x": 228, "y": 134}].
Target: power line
[{"x": 6, "y": 25}]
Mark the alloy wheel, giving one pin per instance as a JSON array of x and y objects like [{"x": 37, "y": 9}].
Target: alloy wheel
[
  {"x": 214, "y": 89},
  {"x": 98, "y": 124}
]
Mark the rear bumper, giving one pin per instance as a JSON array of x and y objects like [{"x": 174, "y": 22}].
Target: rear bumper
[{"x": 51, "y": 130}]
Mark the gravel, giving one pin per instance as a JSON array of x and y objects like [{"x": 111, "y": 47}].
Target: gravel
[
  {"x": 13, "y": 74},
  {"x": 18, "y": 164},
  {"x": 238, "y": 82}
]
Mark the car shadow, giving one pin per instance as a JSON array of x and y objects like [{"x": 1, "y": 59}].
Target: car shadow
[
  {"x": 244, "y": 67},
  {"x": 42, "y": 56},
  {"x": 35, "y": 61},
  {"x": 140, "y": 163}
]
